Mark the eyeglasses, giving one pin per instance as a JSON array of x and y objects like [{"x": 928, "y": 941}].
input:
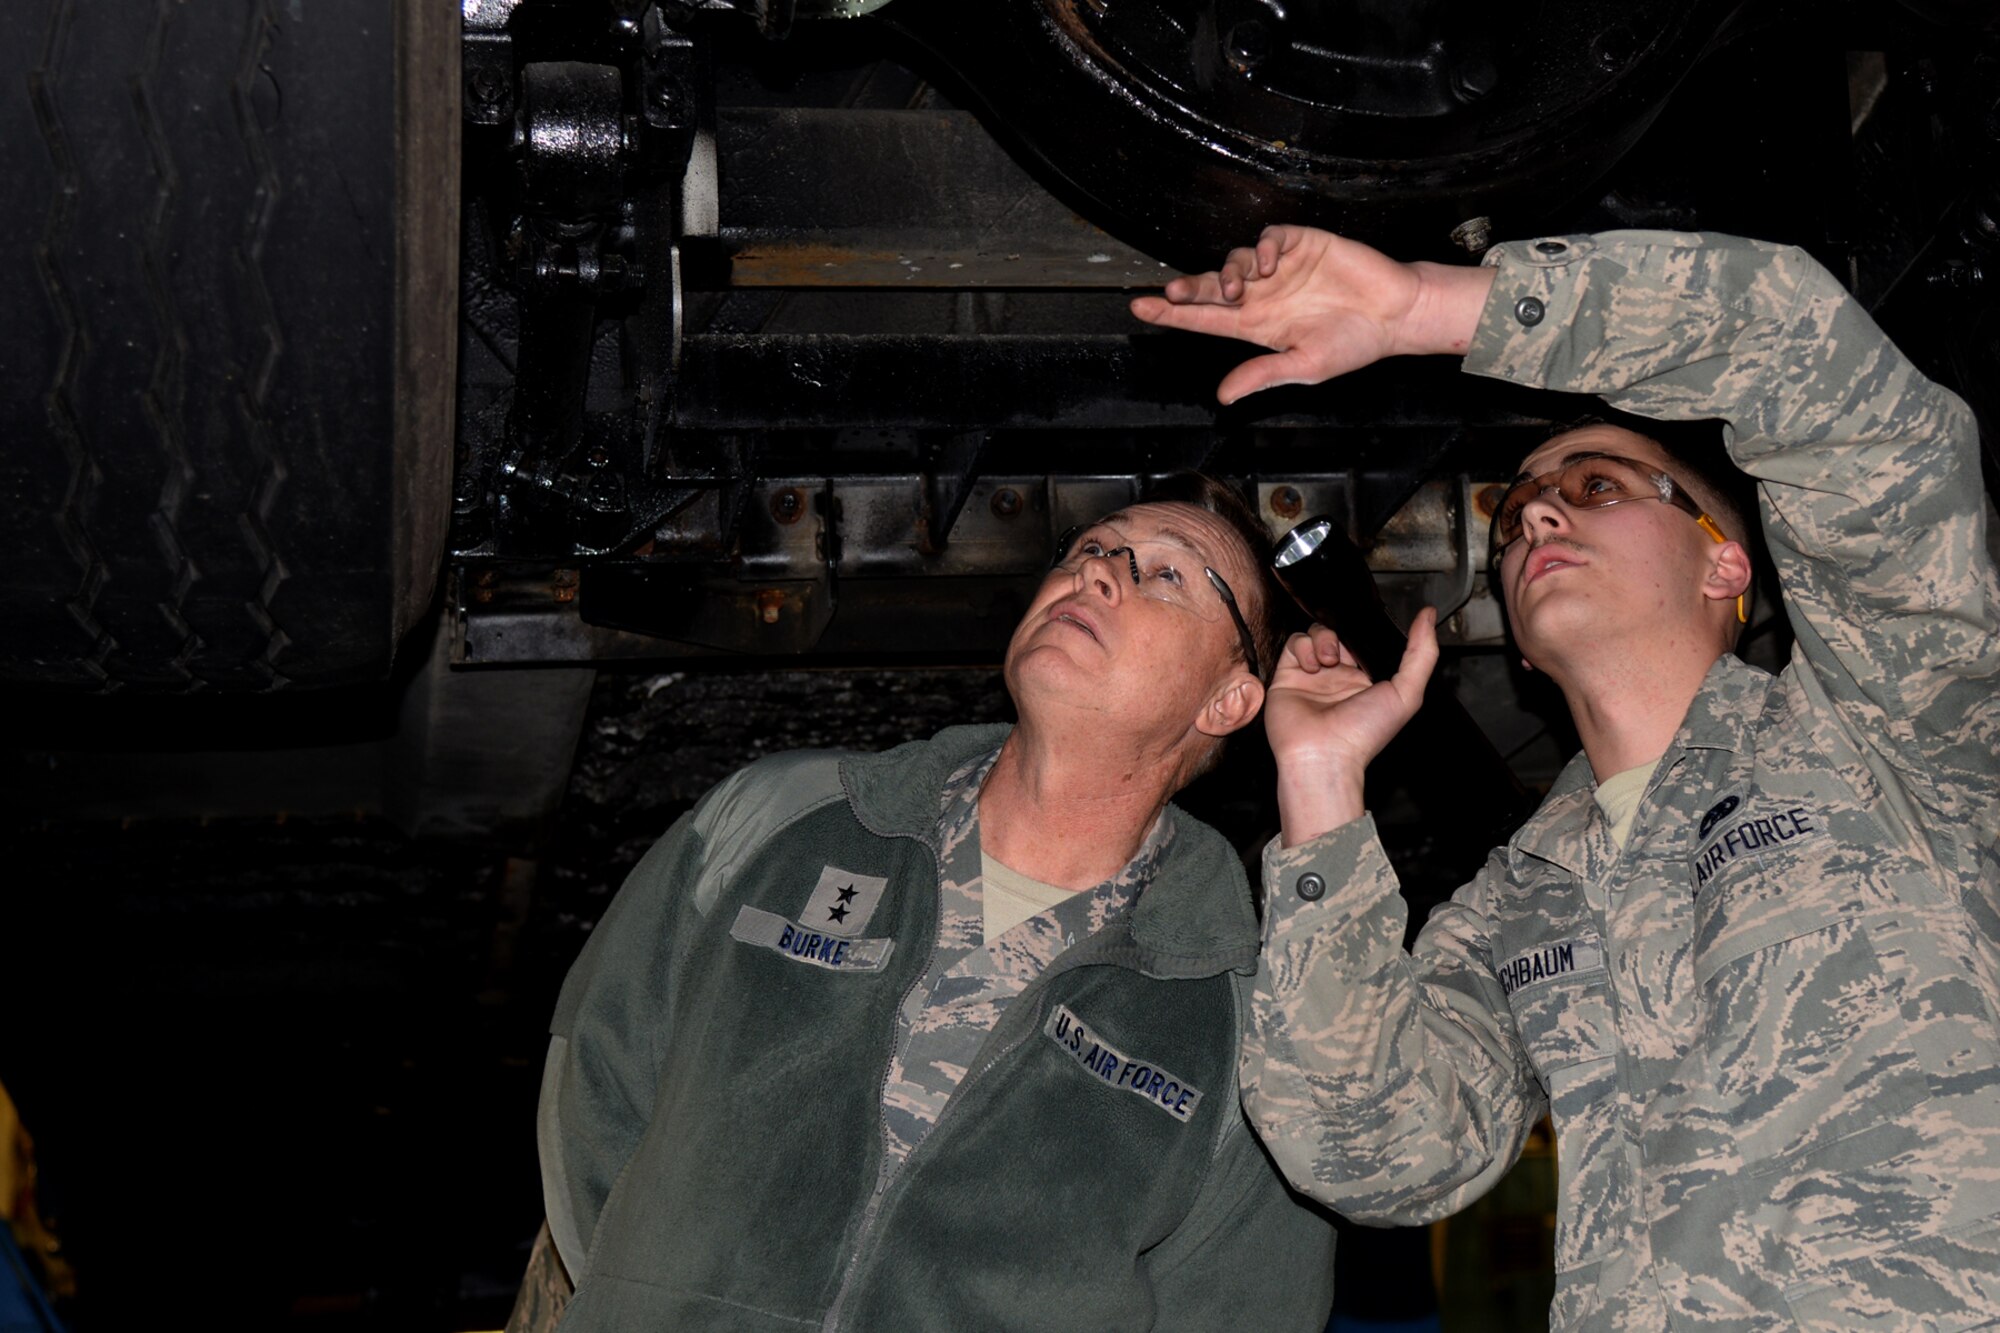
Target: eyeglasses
[
  {"x": 1598, "y": 481},
  {"x": 1156, "y": 569}
]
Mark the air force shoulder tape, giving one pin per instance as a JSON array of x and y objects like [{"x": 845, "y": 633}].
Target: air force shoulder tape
[
  {"x": 768, "y": 930},
  {"x": 1724, "y": 839},
  {"x": 1118, "y": 1070}
]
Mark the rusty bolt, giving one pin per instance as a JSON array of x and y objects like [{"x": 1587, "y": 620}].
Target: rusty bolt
[
  {"x": 1488, "y": 500},
  {"x": 1286, "y": 502},
  {"x": 1006, "y": 502},
  {"x": 787, "y": 506},
  {"x": 487, "y": 578},
  {"x": 565, "y": 594},
  {"x": 483, "y": 595},
  {"x": 769, "y": 603}
]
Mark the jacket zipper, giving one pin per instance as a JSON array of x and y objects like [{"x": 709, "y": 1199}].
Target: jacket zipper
[
  {"x": 874, "y": 1208},
  {"x": 872, "y": 1214}
]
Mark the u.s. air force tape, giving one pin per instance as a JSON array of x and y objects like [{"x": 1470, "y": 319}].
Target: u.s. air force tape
[
  {"x": 768, "y": 930},
  {"x": 1119, "y": 1070}
]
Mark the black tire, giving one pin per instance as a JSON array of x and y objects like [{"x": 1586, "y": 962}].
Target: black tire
[{"x": 228, "y": 275}]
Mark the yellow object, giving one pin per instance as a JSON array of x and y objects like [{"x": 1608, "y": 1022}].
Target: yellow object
[{"x": 17, "y": 1202}]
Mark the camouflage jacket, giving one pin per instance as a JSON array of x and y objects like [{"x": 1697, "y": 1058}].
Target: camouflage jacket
[
  {"x": 712, "y": 1128},
  {"x": 1766, "y": 1029}
]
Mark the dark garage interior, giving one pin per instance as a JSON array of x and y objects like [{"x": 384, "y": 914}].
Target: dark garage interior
[{"x": 438, "y": 443}]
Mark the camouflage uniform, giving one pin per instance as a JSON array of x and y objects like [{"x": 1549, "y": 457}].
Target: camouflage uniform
[{"x": 1765, "y": 1029}]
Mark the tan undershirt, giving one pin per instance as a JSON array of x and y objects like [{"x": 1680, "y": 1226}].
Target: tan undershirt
[
  {"x": 1618, "y": 797},
  {"x": 1009, "y": 897}
]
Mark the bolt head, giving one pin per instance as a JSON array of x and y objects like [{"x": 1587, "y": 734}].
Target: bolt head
[
  {"x": 1474, "y": 235},
  {"x": 1249, "y": 45},
  {"x": 1475, "y": 78},
  {"x": 484, "y": 85}
]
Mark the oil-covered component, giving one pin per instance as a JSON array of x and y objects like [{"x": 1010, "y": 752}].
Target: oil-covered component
[{"x": 1192, "y": 123}]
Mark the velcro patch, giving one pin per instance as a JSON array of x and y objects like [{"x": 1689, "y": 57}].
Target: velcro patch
[
  {"x": 1718, "y": 812},
  {"x": 1551, "y": 961},
  {"x": 768, "y": 930},
  {"x": 842, "y": 902},
  {"x": 1753, "y": 834},
  {"x": 1118, "y": 1070}
]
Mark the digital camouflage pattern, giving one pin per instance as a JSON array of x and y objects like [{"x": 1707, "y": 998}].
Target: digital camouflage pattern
[
  {"x": 947, "y": 1017},
  {"x": 1766, "y": 1030},
  {"x": 545, "y": 1289}
]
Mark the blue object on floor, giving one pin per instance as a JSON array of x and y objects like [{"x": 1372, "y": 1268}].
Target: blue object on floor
[
  {"x": 23, "y": 1308},
  {"x": 1343, "y": 1323}
]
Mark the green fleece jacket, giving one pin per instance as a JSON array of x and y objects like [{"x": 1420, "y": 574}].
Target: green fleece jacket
[{"x": 711, "y": 1118}]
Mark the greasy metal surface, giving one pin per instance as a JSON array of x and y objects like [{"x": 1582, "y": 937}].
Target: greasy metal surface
[
  {"x": 1052, "y": 381},
  {"x": 895, "y": 589},
  {"x": 1392, "y": 58},
  {"x": 892, "y": 294},
  {"x": 1141, "y": 109},
  {"x": 574, "y": 211},
  {"x": 888, "y": 261},
  {"x": 818, "y": 197},
  {"x": 572, "y": 142}
]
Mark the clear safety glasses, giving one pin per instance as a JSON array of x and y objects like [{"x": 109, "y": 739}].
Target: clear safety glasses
[
  {"x": 1161, "y": 571},
  {"x": 1598, "y": 481}
]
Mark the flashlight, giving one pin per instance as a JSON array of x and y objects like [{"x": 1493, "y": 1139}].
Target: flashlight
[{"x": 1329, "y": 578}]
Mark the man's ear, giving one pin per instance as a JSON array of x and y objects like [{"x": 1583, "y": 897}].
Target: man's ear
[
  {"x": 1729, "y": 573},
  {"x": 1233, "y": 706}
]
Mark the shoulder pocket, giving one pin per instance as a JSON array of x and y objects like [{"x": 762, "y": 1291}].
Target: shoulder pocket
[{"x": 1806, "y": 1039}]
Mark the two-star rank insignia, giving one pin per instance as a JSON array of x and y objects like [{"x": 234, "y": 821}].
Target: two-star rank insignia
[
  {"x": 842, "y": 902},
  {"x": 838, "y": 912}
]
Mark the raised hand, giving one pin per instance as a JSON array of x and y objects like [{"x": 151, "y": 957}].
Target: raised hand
[
  {"x": 1327, "y": 720},
  {"x": 1325, "y": 305}
]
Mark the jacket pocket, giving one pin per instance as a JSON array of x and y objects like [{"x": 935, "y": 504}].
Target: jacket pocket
[
  {"x": 1566, "y": 1024},
  {"x": 1805, "y": 1039},
  {"x": 1945, "y": 1283}
]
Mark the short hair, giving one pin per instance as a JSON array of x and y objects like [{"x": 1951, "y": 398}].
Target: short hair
[
  {"x": 1700, "y": 462},
  {"x": 1262, "y": 604}
]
